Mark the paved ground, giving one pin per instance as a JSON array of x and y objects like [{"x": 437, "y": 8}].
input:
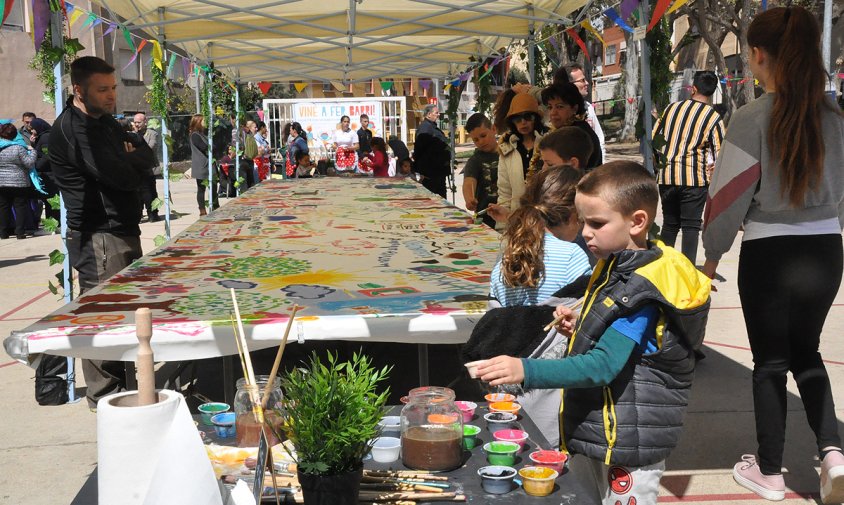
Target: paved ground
[{"x": 47, "y": 453}]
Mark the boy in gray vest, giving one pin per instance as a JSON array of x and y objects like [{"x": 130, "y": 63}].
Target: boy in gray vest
[{"x": 630, "y": 360}]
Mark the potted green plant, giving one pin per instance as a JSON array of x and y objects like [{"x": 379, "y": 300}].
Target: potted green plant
[{"x": 332, "y": 413}]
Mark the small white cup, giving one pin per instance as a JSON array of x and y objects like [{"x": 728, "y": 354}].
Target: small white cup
[
  {"x": 472, "y": 367},
  {"x": 386, "y": 449}
]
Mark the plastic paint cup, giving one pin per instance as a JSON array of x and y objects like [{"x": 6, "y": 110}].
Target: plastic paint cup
[
  {"x": 470, "y": 436},
  {"x": 386, "y": 449},
  {"x": 501, "y": 453},
  {"x": 225, "y": 424},
  {"x": 472, "y": 367},
  {"x": 496, "y": 421},
  {"x": 208, "y": 410},
  {"x": 467, "y": 409},
  {"x": 390, "y": 426},
  {"x": 555, "y": 460},
  {"x": 538, "y": 480},
  {"x": 518, "y": 436},
  {"x": 499, "y": 397},
  {"x": 511, "y": 407},
  {"x": 497, "y": 479}
]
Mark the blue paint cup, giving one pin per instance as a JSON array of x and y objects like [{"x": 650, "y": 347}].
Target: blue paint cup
[
  {"x": 224, "y": 424},
  {"x": 209, "y": 410},
  {"x": 497, "y": 479}
]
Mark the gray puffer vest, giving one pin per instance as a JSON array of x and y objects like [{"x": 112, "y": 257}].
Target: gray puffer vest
[{"x": 637, "y": 419}]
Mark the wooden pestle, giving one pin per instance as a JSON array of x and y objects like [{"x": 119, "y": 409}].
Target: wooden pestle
[{"x": 144, "y": 362}]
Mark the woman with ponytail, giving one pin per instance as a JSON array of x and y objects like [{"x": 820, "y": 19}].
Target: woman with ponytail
[
  {"x": 781, "y": 175},
  {"x": 539, "y": 257}
]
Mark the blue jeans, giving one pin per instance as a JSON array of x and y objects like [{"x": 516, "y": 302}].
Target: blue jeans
[{"x": 682, "y": 208}]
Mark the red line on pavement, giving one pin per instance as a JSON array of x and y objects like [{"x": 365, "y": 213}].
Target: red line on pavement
[
  {"x": 739, "y": 306},
  {"x": 4, "y": 365},
  {"x": 24, "y": 305},
  {"x": 729, "y": 497}
]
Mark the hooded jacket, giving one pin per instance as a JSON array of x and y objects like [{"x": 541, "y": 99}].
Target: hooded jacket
[
  {"x": 98, "y": 179},
  {"x": 637, "y": 419}
]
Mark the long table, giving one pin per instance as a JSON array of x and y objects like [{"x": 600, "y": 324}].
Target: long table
[{"x": 381, "y": 260}]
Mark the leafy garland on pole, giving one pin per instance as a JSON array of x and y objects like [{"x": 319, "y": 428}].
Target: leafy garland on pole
[{"x": 47, "y": 57}]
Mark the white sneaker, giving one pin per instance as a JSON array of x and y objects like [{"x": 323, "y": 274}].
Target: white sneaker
[{"x": 832, "y": 478}]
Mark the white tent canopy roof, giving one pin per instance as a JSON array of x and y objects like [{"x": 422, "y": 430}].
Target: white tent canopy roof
[{"x": 341, "y": 40}]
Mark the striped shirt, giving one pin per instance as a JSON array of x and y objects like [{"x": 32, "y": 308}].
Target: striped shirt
[
  {"x": 564, "y": 263},
  {"x": 693, "y": 133}
]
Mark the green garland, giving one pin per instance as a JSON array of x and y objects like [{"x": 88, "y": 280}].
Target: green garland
[
  {"x": 659, "y": 43},
  {"x": 484, "y": 102},
  {"x": 157, "y": 95},
  {"x": 47, "y": 57}
]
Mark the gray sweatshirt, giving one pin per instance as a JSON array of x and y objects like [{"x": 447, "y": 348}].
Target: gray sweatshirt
[{"x": 746, "y": 190}]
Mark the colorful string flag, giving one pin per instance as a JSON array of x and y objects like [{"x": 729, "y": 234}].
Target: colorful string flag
[
  {"x": 678, "y": 4},
  {"x": 553, "y": 41},
  {"x": 764, "y": 5},
  {"x": 456, "y": 82},
  {"x": 74, "y": 16},
  {"x": 157, "y": 55},
  {"x": 40, "y": 21},
  {"x": 128, "y": 37},
  {"x": 111, "y": 28},
  {"x": 425, "y": 83},
  {"x": 6, "y": 9},
  {"x": 659, "y": 11},
  {"x": 300, "y": 86},
  {"x": 137, "y": 52},
  {"x": 465, "y": 76},
  {"x": 385, "y": 85},
  {"x": 264, "y": 86},
  {"x": 185, "y": 67},
  {"x": 577, "y": 40},
  {"x": 627, "y": 7},
  {"x": 591, "y": 29},
  {"x": 171, "y": 64},
  {"x": 615, "y": 18}
]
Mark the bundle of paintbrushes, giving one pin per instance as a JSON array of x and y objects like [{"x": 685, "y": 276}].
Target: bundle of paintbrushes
[{"x": 406, "y": 487}]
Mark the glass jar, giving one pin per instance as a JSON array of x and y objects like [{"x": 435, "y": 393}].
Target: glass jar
[
  {"x": 431, "y": 430},
  {"x": 248, "y": 427}
]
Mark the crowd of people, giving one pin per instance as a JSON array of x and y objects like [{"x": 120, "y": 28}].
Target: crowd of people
[{"x": 573, "y": 226}]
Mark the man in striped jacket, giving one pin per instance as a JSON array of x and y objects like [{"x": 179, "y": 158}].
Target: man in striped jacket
[{"x": 693, "y": 132}]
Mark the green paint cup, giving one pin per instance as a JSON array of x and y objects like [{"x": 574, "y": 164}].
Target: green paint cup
[
  {"x": 470, "y": 436},
  {"x": 501, "y": 453},
  {"x": 208, "y": 410}
]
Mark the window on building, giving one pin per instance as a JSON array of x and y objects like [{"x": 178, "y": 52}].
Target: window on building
[{"x": 611, "y": 56}]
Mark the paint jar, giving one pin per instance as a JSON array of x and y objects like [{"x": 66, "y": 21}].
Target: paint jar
[
  {"x": 518, "y": 436},
  {"x": 208, "y": 410},
  {"x": 555, "y": 460},
  {"x": 386, "y": 449},
  {"x": 470, "y": 436},
  {"x": 431, "y": 430},
  {"x": 224, "y": 424},
  {"x": 497, "y": 421},
  {"x": 538, "y": 480},
  {"x": 501, "y": 453},
  {"x": 497, "y": 479},
  {"x": 468, "y": 410},
  {"x": 248, "y": 425}
]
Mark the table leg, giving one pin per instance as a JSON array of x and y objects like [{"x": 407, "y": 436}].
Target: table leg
[
  {"x": 228, "y": 380},
  {"x": 131, "y": 379},
  {"x": 423, "y": 364}
]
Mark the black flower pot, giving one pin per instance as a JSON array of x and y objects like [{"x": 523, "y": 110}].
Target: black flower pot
[{"x": 339, "y": 489}]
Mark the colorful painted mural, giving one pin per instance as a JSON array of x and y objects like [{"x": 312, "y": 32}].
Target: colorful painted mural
[{"x": 379, "y": 259}]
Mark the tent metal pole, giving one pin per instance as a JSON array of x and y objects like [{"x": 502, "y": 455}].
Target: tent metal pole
[
  {"x": 236, "y": 127},
  {"x": 644, "y": 51},
  {"x": 57, "y": 41},
  {"x": 208, "y": 80},
  {"x": 826, "y": 43},
  {"x": 196, "y": 89},
  {"x": 531, "y": 49},
  {"x": 165, "y": 154}
]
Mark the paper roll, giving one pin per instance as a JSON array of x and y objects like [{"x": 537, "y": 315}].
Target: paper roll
[{"x": 151, "y": 455}]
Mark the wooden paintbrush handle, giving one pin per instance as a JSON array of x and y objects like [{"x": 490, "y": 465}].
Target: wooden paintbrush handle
[{"x": 144, "y": 362}]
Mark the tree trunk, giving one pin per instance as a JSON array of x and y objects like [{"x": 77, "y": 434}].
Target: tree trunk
[
  {"x": 632, "y": 88},
  {"x": 747, "y": 91}
]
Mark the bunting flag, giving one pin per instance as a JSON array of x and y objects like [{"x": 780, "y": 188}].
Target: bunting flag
[
  {"x": 137, "y": 52},
  {"x": 40, "y": 21},
  {"x": 6, "y": 8},
  {"x": 111, "y": 28},
  {"x": 577, "y": 40},
  {"x": 157, "y": 55},
  {"x": 591, "y": 29},
  {"x": 764, "y": 5},
  {"x": 425, "y": 83},
  {"x": 260, "y": 114},
  {"x": 465, "y": 76},
  {"x": 128, "y": 37},
  {"x": 456, "y": 82},
  {"x": 185, "y": 68},
  {"x": 659, "y": 11},
  {"x": 300, "y": 86},
  {"x": 553, "y": 40},
  {"x": 74, "y": 16},
  {"x": 489, "y": 69},
  {"x": 264, "y": 86},
  {"x": 171, "y": 64},
  {"x": 385, "y": 85},
  {"x": 614, "y": 17},
  {"x": 627, "y": 7},
  {"x": 86, "y": 26},
  {"x": 680, "y": 3}
]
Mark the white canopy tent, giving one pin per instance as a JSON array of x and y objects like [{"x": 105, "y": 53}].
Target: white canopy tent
[{"x": 341, "y": 40}]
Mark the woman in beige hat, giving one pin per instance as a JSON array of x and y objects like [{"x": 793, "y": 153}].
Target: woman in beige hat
[{"x": 516, "y": 146}]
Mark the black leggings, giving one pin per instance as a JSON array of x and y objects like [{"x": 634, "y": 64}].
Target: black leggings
[
  {"x": 787, "y": 285},
  {"x": 200, "y": 194}
]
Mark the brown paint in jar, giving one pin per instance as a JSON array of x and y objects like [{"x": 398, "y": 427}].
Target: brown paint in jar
[{"x": 432, "y": 448}]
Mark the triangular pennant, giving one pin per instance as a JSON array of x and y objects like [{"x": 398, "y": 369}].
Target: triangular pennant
[
  {"x": 553, "y": 40},
  {"x": 40, "y": 21},
  {"x": 157, "y": 55},
  {"x": 659, "y": 10},
  {"x": 385, "y": 85},
  {"x": 627, "y": 7},
  {"x": 577, "y": 40},
  {"x": 764, "y": 5},
  {"x": 141, "y": 45},
  {"x": 111, "y": 28},
  {"x": 74, "y": 16},
  {"x": 591, "y": 29},
  {"x": 90, "y": 20},
  {"x": 85, "y": 29},
  {"x": 128, "y": 37},
  {"x": 680, "y": 3},
  {"x": 613, "y": 15},
  {"x": 264, "y": 86},
  {"x": 465, "y": 76},
  {"x": 171, "y": 64},
  {"x": 300, "y": 86},
  {"x": 424, "y": 83}
]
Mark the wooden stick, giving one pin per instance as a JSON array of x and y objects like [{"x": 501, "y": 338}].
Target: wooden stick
[
  {"x": 144, "y": 362},
  {"x": 420, "y": 474},
  {"x": 560, "y": 318},
  {"x": 277, "y": 362},
  {"x": 250, "y": 372},
  {"x": 407, "y": 495},
  {"x": 481, "y": 213},
  {"x": 239, "y": 350}
]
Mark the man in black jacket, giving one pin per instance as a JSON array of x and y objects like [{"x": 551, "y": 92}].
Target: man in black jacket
[
  {"x": 99, "y": 172},
  {"x": 431, "y": 152}
]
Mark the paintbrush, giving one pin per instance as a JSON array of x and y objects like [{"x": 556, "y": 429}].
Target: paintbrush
[
  {"x": 560, "y": 318},
  {"x": 277, "y": 361},
  {"x": 481, "y": 213}
]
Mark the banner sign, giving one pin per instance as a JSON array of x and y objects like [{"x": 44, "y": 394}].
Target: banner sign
[{"x": 320, "y": 119}]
